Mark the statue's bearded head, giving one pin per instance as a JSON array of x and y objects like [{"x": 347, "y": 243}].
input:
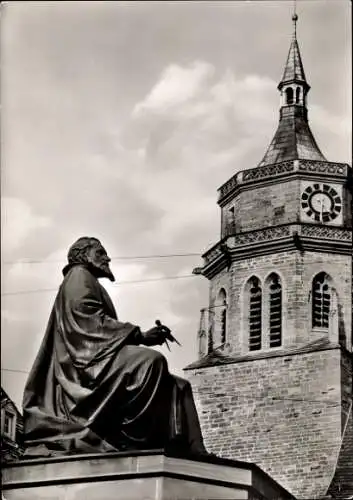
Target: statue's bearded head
[{"x": 90, "y": 251}]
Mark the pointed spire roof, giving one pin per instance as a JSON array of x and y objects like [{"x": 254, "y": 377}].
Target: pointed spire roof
[
  {"x": 293, "y": 139},
  {"x": 293, "y": 70}
]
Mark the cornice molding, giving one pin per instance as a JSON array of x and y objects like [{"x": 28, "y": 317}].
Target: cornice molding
[
  {"x": 270, "y": 240},
  {"x": 272, "y": 174}
]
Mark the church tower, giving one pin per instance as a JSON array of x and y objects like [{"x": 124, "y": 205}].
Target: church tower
[{"x": 273, "y": 382}]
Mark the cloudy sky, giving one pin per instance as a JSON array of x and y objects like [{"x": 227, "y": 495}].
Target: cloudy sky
[{"x": 121, "y": 120}]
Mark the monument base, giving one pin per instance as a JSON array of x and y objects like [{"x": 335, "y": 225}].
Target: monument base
[{"x": 150, "y": 475}]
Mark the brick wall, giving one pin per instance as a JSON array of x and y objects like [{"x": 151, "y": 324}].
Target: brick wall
[
  {"x": 277, "y": 204},
  {"x": 296, "y": 442}
]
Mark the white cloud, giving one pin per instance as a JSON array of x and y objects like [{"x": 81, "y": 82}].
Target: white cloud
[
  {"x": 18, "y": 221},
  {"x": 209, "y": 115},
  {"x": 177, "y": 85}
]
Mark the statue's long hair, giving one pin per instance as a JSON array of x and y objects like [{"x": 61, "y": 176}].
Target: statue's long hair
[{"x": 77, "y": 253}]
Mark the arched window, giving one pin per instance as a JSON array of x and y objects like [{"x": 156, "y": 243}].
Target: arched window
[
  {"x": 289, "y": 95},
  {"x": 321, "y": 301},
  {"x": 297, "y": 95},
  {"x": 255, "y": 314},
  {"x": 275, "y": 310}
]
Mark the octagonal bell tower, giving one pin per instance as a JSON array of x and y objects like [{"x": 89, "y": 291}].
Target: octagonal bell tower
[{"x": 273, "y": 378}]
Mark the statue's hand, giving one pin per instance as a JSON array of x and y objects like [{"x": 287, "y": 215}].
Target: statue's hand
[{"x": 154, "y": 336}]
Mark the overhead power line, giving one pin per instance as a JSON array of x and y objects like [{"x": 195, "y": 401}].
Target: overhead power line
[
  {"x": 134, "y": 257},
  {"x": 15, "y": 371},
  {"x": 132, "y": 282}
]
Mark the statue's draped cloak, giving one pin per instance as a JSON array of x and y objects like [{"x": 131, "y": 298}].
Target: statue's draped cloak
[{"x": 91, "y": 386}]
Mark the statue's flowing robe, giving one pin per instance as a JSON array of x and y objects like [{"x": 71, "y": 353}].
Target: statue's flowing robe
[{"x": 92, "y": 388}]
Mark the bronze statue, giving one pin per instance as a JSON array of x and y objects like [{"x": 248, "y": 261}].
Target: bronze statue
[{"x": 93, "y": 387}]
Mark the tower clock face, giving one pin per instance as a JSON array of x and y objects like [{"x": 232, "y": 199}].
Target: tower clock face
[{"x": 321, "y": 202}]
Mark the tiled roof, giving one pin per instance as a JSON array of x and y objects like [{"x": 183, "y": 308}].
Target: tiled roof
[
  {"x": 294, "y": 69},
  {"x": 293, "y": 139},
  {"x": 218, "y": 358}
]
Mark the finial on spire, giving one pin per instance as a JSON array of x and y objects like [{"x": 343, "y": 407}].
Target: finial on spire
[{"x": 295, "y": 19}]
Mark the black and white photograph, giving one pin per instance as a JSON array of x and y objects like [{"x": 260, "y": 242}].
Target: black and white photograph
[{"x": 176, "y": 250}]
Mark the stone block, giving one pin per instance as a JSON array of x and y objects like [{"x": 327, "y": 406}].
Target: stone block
[{"x": 131, "y": 476}]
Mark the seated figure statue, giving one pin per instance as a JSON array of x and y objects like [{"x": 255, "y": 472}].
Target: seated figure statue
[{"x": 94, "y": 387}]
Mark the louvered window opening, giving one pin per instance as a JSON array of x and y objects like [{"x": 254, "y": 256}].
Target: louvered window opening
[
  {"x": 321, "y": 301},
  {"x": 275, "y": 313},
  {"x": 255, "y": 314}
]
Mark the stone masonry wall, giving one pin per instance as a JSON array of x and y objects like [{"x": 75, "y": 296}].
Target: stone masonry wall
[
  {"x": 282, "y": 413},
  {"x": 277, "y": 204},
  {"x": 296, "y": 271}
]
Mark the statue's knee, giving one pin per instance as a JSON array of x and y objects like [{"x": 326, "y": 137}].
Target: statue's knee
[{"x": 157, "y": 359}]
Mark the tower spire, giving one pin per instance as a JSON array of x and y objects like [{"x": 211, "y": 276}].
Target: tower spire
[
  {"x": 294, "y": 69},
  {"x": 293, "y": 139}
]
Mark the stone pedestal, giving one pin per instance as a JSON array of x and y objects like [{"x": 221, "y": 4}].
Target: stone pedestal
[{"x": 141, "y": 476}]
